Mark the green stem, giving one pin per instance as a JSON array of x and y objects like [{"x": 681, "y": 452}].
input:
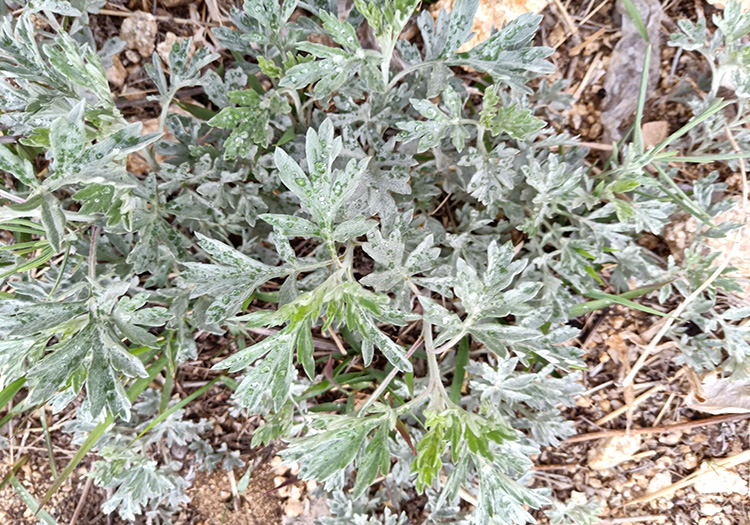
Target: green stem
[
  {"x": 381, "y": 388},
  {"x": 298, "y": 107},
  {"x": 436, "y": 383},
  {"x": 406, "y": 71},
  {"x": 165, "y": 110}
]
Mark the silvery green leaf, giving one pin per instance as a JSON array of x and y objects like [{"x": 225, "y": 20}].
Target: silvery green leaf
[
  {"x": 129, "y": 316},
  {"x": 155, "y": 71},
  {"x": 388, "y": 172},
  {"x": 431, "y": 132},
  {"x": 228, "y": 283},
  {"x": 80, "y": 65},
  {"x": 53, "y": 221},
  {"x": 110, "y": 48},
  {"x": 17, "y": 355},
  {"x": 454, "y": 482},
  {"x": 67, "y": 140},
  {"x": 52, "y": 372},
  {"x": 505, "y": 333},
  {"x": 269, "y": 13},
  {"x": 271, "y": 375},
  {"x": 107, "y": 359},
  {"x": 506, "y": 55},
  {"x": 368, "y": 351},
  {"x": 250, "y": 122},
  {"x": 306, "y": 350},
  {"x": 323, "y": 454},
  {"x": 737, "y": 313},
  {"x": 342, "y": 32},
  {"x": 291, "y": 226},
  {"x": 25, "y": 319},
  {"x": 20, "y": 168},
  {"x": 139, "y": 482},
  {"x": 387, "y": 252},
  {"x": 445, "y": 34},
  {"x": 439, "y": 315},
  {"x": 321, "y": 150},
  {"x": 103, "y": 386},
  {"x": 376, "y": 458},
  {"x": 502, "y": 499},
  {"x": 345, "y": 183},
  {"x": 185, "y": 70},
  {"x": 493, "y": 172},
  {"x": 423, "y": 258},
  {"x": 575, "y": 512},
  {"x": 247, "y": 356},
  {"x": 515, "y": 121},
  {"x": 297, "y": 182},
  {"x": 95, "y": 198},
  {"x": 352, "y": 229},
  {"x": 326, "y": 190},
  {"x": 393, "y": 352},
  {"x": 387, "y": 18},
  {"x": 734, "y": 23},
  {"x": 335, "y": 68},
  {"x": 217, "y": 88},
  {"x": 60, "y": 7},
  {"x": 437, "y": 283}
]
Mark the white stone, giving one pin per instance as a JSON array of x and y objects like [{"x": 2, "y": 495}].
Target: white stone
[{"x": 611, "y": 452}]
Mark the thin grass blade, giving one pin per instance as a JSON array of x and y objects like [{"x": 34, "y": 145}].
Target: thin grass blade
[
  {"x": 171, "y": 410},
  {"x": 31, "y": 502},
  {"x": 635, "y": 16},
  {"x": 619, "y": 299},
  {"x": 590, "y": 306}
]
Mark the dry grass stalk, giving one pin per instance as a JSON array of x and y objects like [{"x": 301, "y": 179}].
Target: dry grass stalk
[{"x": 687, "y": 481}]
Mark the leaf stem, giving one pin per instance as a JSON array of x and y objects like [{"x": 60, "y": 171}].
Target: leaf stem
[
  {"x": 381, "y": 388},
  {"x": 406, "y": 71},
  {"x": 436, "y": 383}
]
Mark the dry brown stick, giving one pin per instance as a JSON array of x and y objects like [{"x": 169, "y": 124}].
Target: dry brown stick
[
  {"x": 596, "y": 146},
  {"x": 664, "y": 409},
  {"x": 236, "y": 500},
  {"x": 593, "y": 12},
  {"x": 725, "y": 463},
  {"x": 634, "y": 519},
  {"x": 161, "y": 18},
  {"x": 566, "y": 17},
  {"x": 82, "y": 501},
  {"x": 629, "y": 405},
  {"x": 592, "y": 38},
  {"x": 561, "y": 466},
  {"x": 581, "y": 23},
  {"x": 587, "y": 76},
  {"x": 723, "y": 418},
  {"x": 338, "y": 342}
]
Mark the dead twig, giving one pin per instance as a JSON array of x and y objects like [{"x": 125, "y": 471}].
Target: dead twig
[
  {"x": 587, "y": 76},
  {"x": 723, "y": 418},
  {"x": 338, "y": 342},
  {"x": 81, "y": 501},
  {"x": 589, "y": 40},
  {"x": 160, "y": 18},
  {"x": 581, "y": 23},
  {"x": 687, "y": 481},
  {"x": 635, "y": 519}
]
